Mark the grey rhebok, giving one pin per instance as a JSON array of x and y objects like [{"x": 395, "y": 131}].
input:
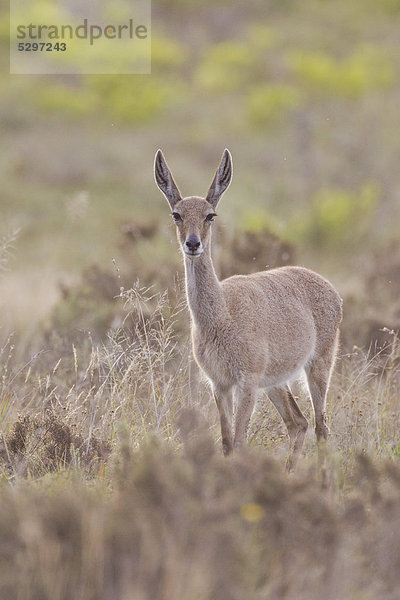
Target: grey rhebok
[{"x": 262, "y": 330}]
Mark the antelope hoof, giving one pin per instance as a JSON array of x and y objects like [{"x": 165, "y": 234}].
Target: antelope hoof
[
  {"x": 227, "y": 447},
  {"x": 290, "y": 464}
]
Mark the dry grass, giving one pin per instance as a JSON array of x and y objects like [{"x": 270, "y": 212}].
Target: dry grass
[
  {"x": 112, "y": 482},
  {"x": 6, "y": 246},
  {"x": 113, "y": 488},
  {"x": 160, "y": 523}
]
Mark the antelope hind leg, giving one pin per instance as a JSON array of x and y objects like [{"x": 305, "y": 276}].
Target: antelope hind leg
[{"x": 295, "y": 421}]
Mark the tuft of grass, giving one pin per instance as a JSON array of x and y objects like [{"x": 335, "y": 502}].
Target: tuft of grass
[
  {"x": 6, "y": 245},
  {"x": 37, "y": 445}
]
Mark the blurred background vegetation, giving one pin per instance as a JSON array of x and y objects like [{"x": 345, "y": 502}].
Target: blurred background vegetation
[
  {"x": 110, "y": 486},
  {"x": 306, "y": 96}
]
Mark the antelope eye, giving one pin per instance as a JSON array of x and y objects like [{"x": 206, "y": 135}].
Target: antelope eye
[
  {"x": 176, "y": 217},
  {"x": 210, "y": 217}
]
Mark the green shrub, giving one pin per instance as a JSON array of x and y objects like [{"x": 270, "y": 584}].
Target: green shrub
[
  {"x": 337, "y": 215},
  {"x": 128, "y": 99},
  {"x": 225, "y": 67},
  {"x": 270, "y": 102},
  {"x": 122, "y": 98},
  {"x": 391, "y": 6},
  {"x": 62, "y": 98},
  {"x": 167, "y": 53},
  {"x": 261, "y": 38},
  {"x": 367, "y": 69}
]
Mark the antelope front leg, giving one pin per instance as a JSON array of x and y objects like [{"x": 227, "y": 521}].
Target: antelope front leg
[
  {"x": 223, "y": 398},
  {"x": 246, "y": 399}
]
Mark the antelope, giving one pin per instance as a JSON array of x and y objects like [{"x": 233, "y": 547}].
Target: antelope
[{"x": 259, "y": 331}]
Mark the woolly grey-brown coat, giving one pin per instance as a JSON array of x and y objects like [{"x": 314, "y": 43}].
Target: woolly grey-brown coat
[{"x": 262, "y": 330}]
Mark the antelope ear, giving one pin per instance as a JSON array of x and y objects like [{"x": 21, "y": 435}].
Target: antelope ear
[
  {"x": 165, "y": 181},
  {"x": 222, "y": 179}
]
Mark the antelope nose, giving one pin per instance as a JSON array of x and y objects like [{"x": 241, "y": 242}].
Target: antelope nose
[{"x": 193, "y": 243}]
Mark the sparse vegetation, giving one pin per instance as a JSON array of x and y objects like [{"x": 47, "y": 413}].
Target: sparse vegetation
[
  {"x": 112, "y": 484},
  {"x": 112, "y": 487}
]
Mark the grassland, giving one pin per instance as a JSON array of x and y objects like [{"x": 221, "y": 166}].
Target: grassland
[
  {"x": 112, "y": 481},
  {"x": 114, "y": 485}
]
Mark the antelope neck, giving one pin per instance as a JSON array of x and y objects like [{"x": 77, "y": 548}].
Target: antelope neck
[{"x": 204, "y": 292}]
